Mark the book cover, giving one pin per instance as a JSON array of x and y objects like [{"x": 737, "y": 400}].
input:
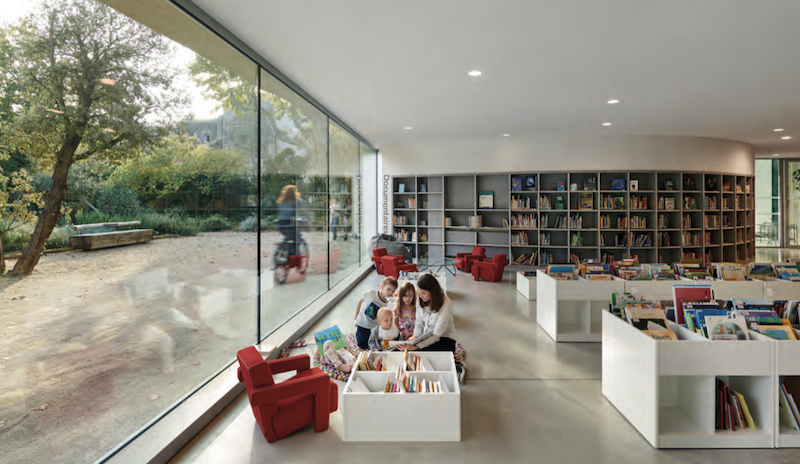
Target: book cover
[
  {"x": 669, "y": 203},
  {"x": 560, "y": 185},
  {"x": 787, "y": 414},
  {"x": 751, "y": 424},
  {"x": 681, "y": 293},
  {"x": 726, "y": 328},
  {"x": 634, "y": 185},
  {"x": 401, "y": 188},
  {"x": 530, "y": 182},
  {"x": 618, "y": 184},
  {"x": 619, "y": 203},
  {"x": 333, "y": 334},
  {"x": 516, "y": 184},
  {"x": 586, "y": 201},
  {"x": 641, "y": 317},
  {"x": 486, "y": 200},
  {"x": 778, "y": 332},
  {"x": 661, "y": 334}
]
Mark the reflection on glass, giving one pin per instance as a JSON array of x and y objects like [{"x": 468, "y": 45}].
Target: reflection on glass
[
  {"x": 96, "y": 344},
  {"x": 294, "y": 205},
  {"x": 767, "y": 202},
  {"x": 368, "y": 200},
  {"x": 343, "y": 203},
  {"x": 793, "y": 202}
]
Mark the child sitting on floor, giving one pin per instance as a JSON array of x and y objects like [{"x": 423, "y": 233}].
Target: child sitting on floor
[
  {"x": 367, "y": 309},
  {"x": 341, "y": 359},
  {"x": 405, "y": 312},
  {"x": 384, "y": 332}
]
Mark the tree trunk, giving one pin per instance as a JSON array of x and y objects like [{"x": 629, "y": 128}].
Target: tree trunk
[
  {"x": 2, "y": 257},
  {"x": 49, "y": 215}
]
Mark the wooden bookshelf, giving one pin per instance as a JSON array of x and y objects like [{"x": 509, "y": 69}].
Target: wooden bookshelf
[{"x": 723, "y": 217}]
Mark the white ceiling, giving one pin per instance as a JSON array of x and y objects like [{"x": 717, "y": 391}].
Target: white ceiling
[{"x": 714, "y": 68}]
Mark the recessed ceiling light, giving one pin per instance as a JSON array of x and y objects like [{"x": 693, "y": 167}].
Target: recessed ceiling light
[
  {"x": 613, "y": 102},
  {"x": 475, "y": 73},
  {"x": 408, "y": 128},
  {"x": 786, "y": 137},
  {"x": 777, "y": 154},
  {"x": 506, "y": 135},
  {"x": 54, "y": 111},
  {"x": 780, "y": 129},
  {"x": 606, "y": 124},
  {"x": 107, "y": 81}
]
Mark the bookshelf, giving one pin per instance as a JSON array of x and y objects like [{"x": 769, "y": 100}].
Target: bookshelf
[
  {"x": 415, "y": 417},
  {"x": 657, "y": 216}
]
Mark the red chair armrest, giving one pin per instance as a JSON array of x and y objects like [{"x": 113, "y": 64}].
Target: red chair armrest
[
  {"x": 297, "y": 363},
  {"x": 290, "y": 388},
  {"x": 461, "y": 255},
  {"x": 486, "y": 265}
]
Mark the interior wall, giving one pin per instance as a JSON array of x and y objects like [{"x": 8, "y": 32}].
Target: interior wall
[{"x": 539, "y": 153}]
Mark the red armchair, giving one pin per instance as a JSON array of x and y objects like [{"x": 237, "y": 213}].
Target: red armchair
[
  {"x": 490, "y": 270},
  {"x": 280, "y": 409},
  {"x": 377, "y": 254},
  {"x": 464, "y": 260},
  {"x": 393, "y": 264}
]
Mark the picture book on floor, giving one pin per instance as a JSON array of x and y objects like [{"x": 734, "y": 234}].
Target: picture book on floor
[{"x": 333, "y": 334}]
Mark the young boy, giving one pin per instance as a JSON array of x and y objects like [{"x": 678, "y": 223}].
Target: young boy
[
  {"x": 384, "y": 332},
  {"x": 367, "y": 310}
]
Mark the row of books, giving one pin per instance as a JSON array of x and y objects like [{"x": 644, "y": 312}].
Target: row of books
[
  {"x": 528, "y": 221},
  {"x": 710, "y": 203},
  {"x": 475, "y": 221},
  {"x": 560, "y": 222},
  {"x": 664, "y": 239},
  {"x": 577, "y": 239},
  {"x": 576, "y": 221},
  {"x": 638, "y": 222},
  {"x": 789, "y": 388},
  {"x": 605, "y": 222},
  {"x": 405, "y": 236},
  {"x": 730, "y": 409},
  {"x": 689, "y": 202},
  {"x": 519, "y": 238},
  {"x": 620, "y": 240},
  {"x": 711, "y": 221},
  {"x": 412, "y": 203},
  {"x": 607, "y": 201},
  {"x": 666, "y": 203},
  {"x": 638, "y": 202},
  {"x": 520, "y": 202},
  {"x": 642, "y": 240},
  {"x": 544, "y": 238},
  {"x": 526, "y": 259},
  {"x": 400, "y": 220}
]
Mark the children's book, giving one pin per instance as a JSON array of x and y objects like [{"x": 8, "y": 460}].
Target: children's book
[
  {"x": 641, "y": 318},
  {"x": 619, "y": 203},
  {"x": 586, "y": 201},
  {"x": 333, "y": 334},
  {"x": 778, "y": 332},
  {"x": 393, "y": 343},
  {"x": 618, "y": 184},
  {"x": 516, "y": 184},
  {"x": 486, "y": 200},
  {"x": 788, "y": 412},
  {"x": 681, "y": 293},
  {"x": 661, "y": 334},
  {"x": 669, "y": 203},
  {"x": 726, "y": 327},
  {"x": 530, "y": 182}
]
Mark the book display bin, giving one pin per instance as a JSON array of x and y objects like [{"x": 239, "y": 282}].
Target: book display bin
[
  {"x": 526, "y": 285},
  {"x": 570, "y": 310},
  {"x": 405, "y": 417},
  {"x": 655, "y": 216}
]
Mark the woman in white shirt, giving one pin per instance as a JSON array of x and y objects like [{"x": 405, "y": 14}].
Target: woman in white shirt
[{"x": 434, "y": 316}]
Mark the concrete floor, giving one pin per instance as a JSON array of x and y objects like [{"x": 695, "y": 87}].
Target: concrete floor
[{"x": 527, "y": 399}]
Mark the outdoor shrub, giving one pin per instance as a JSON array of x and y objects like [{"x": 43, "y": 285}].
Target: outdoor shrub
[
  {"x": 118, "y": 200},
  {"x": 215, "y": 223},
  {"x": 59, "y": 238},
  {"x": 170, "y": 223},
  {"x": 249, "y": 225},
  {"x": 17, "y": 239}
]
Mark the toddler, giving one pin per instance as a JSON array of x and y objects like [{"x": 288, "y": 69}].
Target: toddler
[
  {"x": 340, "y": 359},
  {"x": 367, "y": 310},
  {"x": 385, "y": 331},
  {"x": 406, "y": 310}
]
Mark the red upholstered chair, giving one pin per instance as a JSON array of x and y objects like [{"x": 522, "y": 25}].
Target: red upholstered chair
[
  {"x": 490, "y": 270},
  {"x": 393, "y": 264},
  {"x": 377, "y": 254},
  {"x": 280, "y": 409},
  {"x": 464, "y": 260}
]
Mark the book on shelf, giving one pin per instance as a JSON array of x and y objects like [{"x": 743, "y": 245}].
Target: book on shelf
[
  {"x": 789, "y": 389},
  {"x": 516, "y": 184},
  {"x": 586, "y": 201},
  {"x": 423, "y": 188},
  {"x": 530, "y": 182},
  {"x": 618, "y": 184},
  {"x": 561, "y": 271},
  {"x": 681, "y": 293},
  {"x": 560, "y": 185},
  {"x": 726, "y": 187},
  {"x": 634, "y": 185},
  {"x": 778, "y": 332},
  {"x": 486, "y": 200},
  {"x": 646, "y": 317},
  {"x": 787, "y": 272},
  {"x": 559, "y": 202},
  {"x": 401, "y": 188}
]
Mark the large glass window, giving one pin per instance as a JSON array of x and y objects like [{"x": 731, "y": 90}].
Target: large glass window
[
  {"x": 343, "y": 203},
  {"x": 368, "y": 200},
  {"x": 98, "y": 343},
  {"x": 792, "y": 217},
  {"x": 767, "y": 202}
]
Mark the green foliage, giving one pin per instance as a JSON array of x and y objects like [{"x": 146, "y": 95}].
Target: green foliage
[
  {"x": 182, "y": 170},
  {"x": 118, "y": 200},
  {"x": 250, "y": 224},
  {"x": 162, "y": 222},
  {"x": 215, "y": 223},
  {"x": 16, "y": 239}
]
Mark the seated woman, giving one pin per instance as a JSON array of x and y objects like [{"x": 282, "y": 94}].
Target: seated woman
[{"x": 435, "y": 316}]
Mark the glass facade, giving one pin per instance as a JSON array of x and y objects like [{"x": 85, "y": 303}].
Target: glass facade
[
  {"x": 768, "y": 211},
  {"x": 97, "y": 344}
]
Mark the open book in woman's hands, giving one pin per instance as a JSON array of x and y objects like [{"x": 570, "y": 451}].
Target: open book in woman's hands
[{"x": 393, "y": 343}]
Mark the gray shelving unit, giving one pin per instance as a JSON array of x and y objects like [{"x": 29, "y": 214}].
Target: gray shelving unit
[{"x": 712, "y": 215}]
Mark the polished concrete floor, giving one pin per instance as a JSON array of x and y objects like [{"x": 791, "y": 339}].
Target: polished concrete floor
[{"x": 526, "y": 399}]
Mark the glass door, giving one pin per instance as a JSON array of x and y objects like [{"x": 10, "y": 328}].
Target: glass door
[{"x": 792, "y": 202}]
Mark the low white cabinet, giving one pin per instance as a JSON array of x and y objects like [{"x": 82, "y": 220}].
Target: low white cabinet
[
  {"x": 407, "y": 417},
  {"x": 570, "y": 310},
  {"x": 666, "y": 389},
  {"x": 527, "y": 285}
]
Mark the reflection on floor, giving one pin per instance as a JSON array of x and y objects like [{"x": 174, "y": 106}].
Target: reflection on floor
[
  {"x": 527, "y": 399},
  {"x": 770, "y": 255}
]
